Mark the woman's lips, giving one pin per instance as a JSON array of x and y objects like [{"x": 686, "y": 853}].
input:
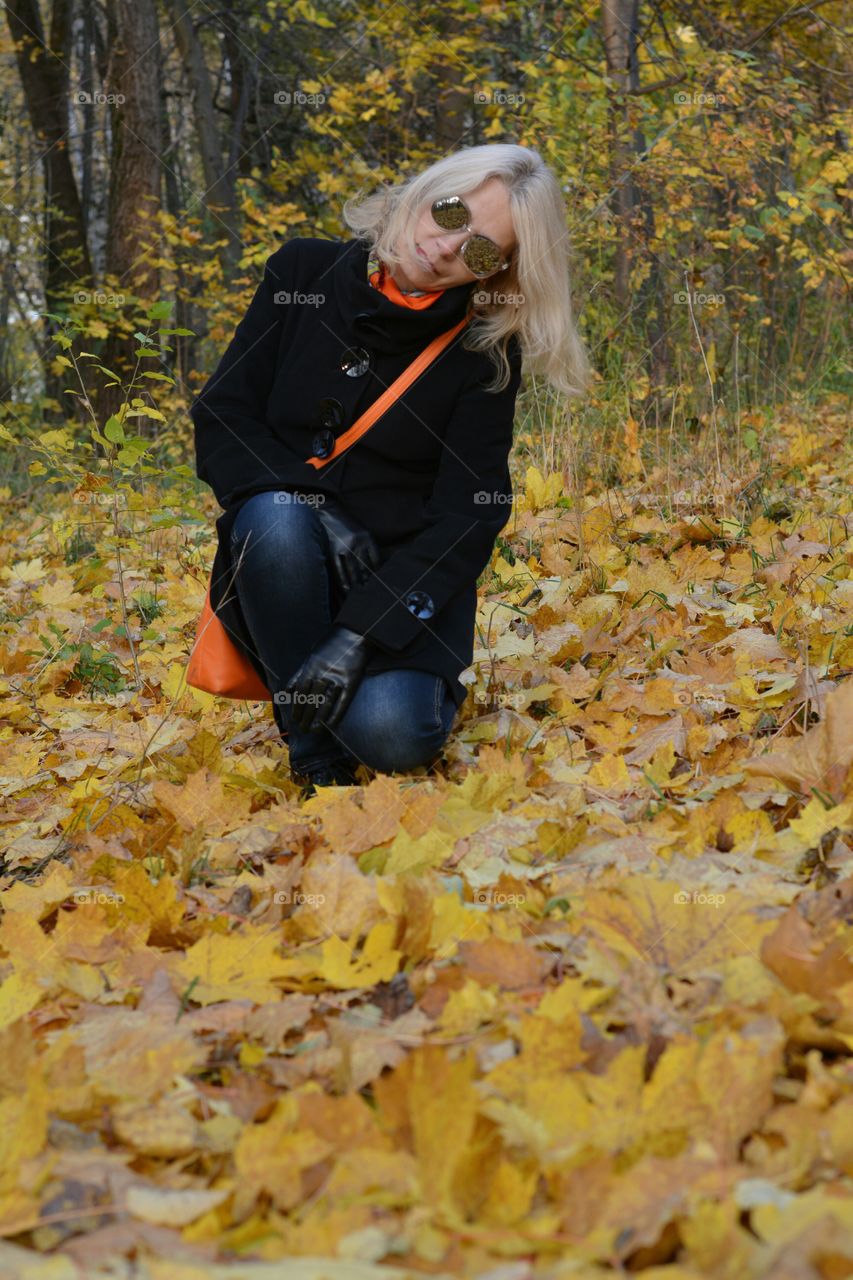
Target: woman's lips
[{"x": 425, "y": 258}]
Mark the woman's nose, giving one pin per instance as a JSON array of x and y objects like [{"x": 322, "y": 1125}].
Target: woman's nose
[{"x": 448, "y": 246}]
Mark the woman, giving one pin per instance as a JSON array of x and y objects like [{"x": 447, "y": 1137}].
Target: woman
[{"x": 351, "y": 585}]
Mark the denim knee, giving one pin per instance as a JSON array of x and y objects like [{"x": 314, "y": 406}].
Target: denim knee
[{"x": 394, "y": 736}]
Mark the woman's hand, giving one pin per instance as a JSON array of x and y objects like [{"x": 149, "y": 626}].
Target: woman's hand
[
  {"x": 321, "y": 689},
  {"x": 354, "y": 551}
]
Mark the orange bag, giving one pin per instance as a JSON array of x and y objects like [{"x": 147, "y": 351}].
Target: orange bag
[{"x": 216, "y": 665}]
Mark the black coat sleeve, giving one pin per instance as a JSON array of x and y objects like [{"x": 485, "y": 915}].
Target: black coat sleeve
[
  {"x": 470, "y": 503},
  {"x": 235, "y": 449}
]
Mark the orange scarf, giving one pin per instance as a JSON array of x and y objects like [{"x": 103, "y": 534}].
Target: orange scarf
[{"x": 382, "y": 280}]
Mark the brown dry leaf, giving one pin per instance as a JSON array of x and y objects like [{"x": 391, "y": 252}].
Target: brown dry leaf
[
  {"x": 361, "y": 818},
  {"x": 511, "y": 965},
  {"x": 203, "y": 801},
  {"x": 821, "y": 759},
  {"x": 808, "y": 959}
]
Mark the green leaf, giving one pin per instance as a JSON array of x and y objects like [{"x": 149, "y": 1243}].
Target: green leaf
[
  {"x": 159, "y": 311},
  {"x": 562, "y": 903},
  {"x": 114, "y": 431}
]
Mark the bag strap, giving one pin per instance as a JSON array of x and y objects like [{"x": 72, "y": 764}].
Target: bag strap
[{"x": 389, "y": 395}]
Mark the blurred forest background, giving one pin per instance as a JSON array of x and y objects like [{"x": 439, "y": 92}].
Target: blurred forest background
[{"x": 154, "y": 154}]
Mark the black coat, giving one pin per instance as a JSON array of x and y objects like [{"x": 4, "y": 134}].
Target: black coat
[{"x": 415, "y": 479}]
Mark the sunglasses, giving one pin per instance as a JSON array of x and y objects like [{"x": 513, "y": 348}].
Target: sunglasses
[{"x": 480, "y": 254}]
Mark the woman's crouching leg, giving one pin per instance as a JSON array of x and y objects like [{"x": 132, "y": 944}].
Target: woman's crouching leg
[{"x": 397, "y": 720}]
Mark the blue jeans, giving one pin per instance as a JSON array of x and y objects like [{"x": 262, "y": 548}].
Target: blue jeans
[{"x": 288, "y": 595}]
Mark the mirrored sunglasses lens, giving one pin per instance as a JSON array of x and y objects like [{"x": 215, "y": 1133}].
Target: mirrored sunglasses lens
[
  {"x": 450, "y": 213},
  {"x": 481, "y": 256}
]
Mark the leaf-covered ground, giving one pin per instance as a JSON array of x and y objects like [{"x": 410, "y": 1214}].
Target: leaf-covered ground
[{"x": 579, "y": 1003}]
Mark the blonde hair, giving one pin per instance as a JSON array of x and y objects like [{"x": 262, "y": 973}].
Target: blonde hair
[{"x": 538, "y": 273}]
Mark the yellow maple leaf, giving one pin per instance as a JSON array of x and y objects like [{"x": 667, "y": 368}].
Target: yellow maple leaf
[
  {"x": 19, "y": 994},
  {"x": 237, "y": 966},
  {"x": 661, "y": 765},
  {"x": 25, "y": 570},
  {"x": 23, "y": 1130},
  {"x": 271, "y": 1156},
  {"x": 467, "y": 1008},
  {"x": 541, "y": 491},
  {"x": 377, "y": 962},
  {"x": 410, "y": 853},
  {"x": 816, "y": 820},
  {"x": 610, "y": 771}
]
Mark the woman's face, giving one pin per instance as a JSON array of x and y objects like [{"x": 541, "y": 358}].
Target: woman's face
[{"x": 441, "y": 267}]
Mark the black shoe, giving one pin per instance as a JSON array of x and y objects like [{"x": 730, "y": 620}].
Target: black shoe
[{"x": 328, "y": 775}]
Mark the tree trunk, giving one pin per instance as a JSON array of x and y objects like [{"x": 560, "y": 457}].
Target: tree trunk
[
  {"x": 219, "y": 179},
  {"x": 44, "y": 78},
  {"x": 631, "y": 203},
  {"x": 618, "y": 19},
  {"x": 454, "y": 104},
  {"x": 134, "y": 198}
]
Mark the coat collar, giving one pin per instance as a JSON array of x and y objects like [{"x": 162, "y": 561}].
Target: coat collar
[{"x": 380, "y": 324}]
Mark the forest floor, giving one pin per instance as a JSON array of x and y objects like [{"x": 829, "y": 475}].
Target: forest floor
[{"x": 579, "y": 1003}]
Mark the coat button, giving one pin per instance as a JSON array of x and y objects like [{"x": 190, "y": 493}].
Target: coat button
[
  {"x": 420, "y": 604},
  {"x": 330, "y": 412},
  {"x": 323, "y": 443},
  {"x": 355, "y": 362}
]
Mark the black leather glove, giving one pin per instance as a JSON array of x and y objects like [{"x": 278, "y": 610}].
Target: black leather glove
[
  {"x": 354, "y": 551},
  {"x": 321, "y": 689}
]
